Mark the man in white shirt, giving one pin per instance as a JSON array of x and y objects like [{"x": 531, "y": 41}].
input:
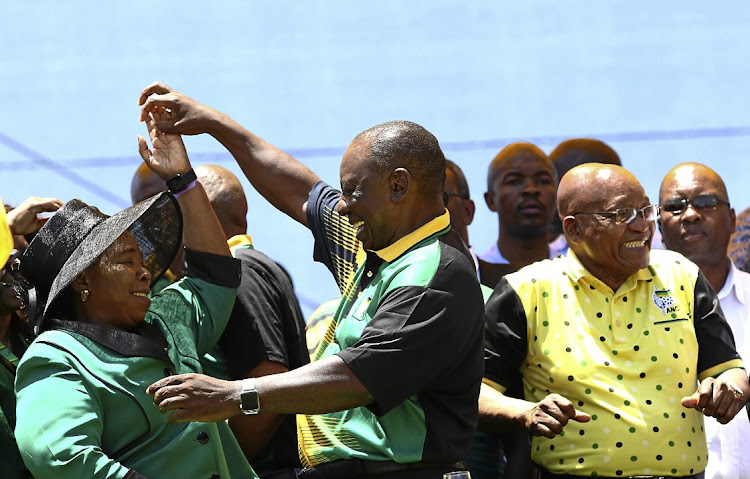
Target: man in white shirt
[{"x": 697, "y": 221}]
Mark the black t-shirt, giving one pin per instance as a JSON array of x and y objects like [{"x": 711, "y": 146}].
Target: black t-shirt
[{"x": 266, "y": 324}]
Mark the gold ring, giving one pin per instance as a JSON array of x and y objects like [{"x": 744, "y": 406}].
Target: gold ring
[{"x": 738, "y": 394}]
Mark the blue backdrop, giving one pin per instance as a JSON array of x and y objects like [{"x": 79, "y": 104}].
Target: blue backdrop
[{"x": 662, "y": 82}]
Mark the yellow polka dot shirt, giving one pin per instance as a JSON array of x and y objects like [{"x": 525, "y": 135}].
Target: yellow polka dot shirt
[{"x": 625, "y": 357}]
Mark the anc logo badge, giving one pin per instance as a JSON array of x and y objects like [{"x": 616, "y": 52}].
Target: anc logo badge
[{"x": 663, "y": 300}]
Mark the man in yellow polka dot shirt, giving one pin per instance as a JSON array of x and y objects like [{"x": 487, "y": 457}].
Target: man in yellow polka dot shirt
[{"x": 608, "y": 344}]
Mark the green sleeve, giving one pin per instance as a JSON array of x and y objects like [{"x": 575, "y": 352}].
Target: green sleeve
[
  {"x": 201, "y": 307},
  {"x": 59, "y": 420}
]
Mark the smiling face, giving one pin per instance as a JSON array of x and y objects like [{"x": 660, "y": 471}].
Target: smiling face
[
  {"x": 611, "y": 251},
  {"x": 523, "y": 191},
  {"x": 700, "y": 233},
  {"x": 365, "y": 197},
  {"x": 118, "y": 285}
]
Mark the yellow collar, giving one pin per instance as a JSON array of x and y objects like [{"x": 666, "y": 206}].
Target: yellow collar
[
  {"x": 576, "y": 270},
  {"x": 396, "y": 249},
  {"x": 238, "y": 241}
]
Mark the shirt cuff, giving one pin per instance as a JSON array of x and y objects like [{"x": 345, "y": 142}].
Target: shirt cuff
[{"x": 213, "y": 268}]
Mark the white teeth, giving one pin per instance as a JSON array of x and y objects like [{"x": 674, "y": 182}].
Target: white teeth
[
  {"x": 634, "y": 244},
  {"x": 140, "y": 294}
]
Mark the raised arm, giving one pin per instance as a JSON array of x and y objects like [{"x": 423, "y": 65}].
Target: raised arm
[
  {"x": 282, "y": 180},
  {"x": 202, "y": 230}
]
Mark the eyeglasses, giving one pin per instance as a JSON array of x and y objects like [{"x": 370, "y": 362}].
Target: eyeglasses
[
  {"x": 447, "y": 196},
  {"x": 702, "y": 202},
  {"x": 626, "y": 215}
]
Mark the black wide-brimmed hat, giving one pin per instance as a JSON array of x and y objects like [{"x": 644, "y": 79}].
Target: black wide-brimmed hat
[{"x": 78, "y": 234}]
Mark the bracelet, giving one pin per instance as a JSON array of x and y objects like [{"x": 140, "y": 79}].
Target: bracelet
[{"x": 189, "y": 187}]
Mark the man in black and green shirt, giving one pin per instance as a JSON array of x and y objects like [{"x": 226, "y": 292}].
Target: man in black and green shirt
[{"x": 393, "y": 388}]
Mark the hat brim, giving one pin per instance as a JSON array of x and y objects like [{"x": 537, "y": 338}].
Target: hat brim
[{"x": 156, "y": 224}]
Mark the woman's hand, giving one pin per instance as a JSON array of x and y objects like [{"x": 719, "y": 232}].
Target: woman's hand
[{"x": 169, "y": 156}]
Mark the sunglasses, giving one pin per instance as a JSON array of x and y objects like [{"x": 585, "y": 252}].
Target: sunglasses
[
  {"x": 447, "y": 196},
  {"x": 676, "y": 206},
  {"x": 626, "y": 215}
]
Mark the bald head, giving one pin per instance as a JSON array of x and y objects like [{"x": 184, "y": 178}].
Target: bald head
[
  {"x": 689, "y": 174},
  {"x": 227, "y": 197},
  {"x": 405, "y": 144},
  {"x": 515, "y": 152},
  {"x": 591, "y": 186},
  {"x": 145, "y": 184}
]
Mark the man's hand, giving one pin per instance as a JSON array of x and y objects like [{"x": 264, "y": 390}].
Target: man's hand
[
  {"x": 196, "y": 397},
  {"x": 186, "y": 116},
  {"x": 169, "y": 157},
  {"x": 720, "y": 397},
  {"x": 23, "y": 218},
  {"x": 548, "y": 417}
]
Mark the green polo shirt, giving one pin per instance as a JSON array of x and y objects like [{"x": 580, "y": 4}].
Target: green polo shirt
[
  {"x": 410, "y": 327},
  {"x": 625, "y": 357}
]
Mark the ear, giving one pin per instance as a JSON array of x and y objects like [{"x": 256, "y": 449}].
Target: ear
[
  {"x": 732, "y": 220},
  {"x": 400, "y": 182},
  {"x": 80, "y": 283},
  {"x": 658, "y": 223},
  {"x": 571, "y": 229},
  {"x": 489, "y": 198},
  {"x": 469, "y": 210}
]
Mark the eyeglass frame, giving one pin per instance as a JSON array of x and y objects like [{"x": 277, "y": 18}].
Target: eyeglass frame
[
  {"x": 635, "y": 211},
  {"x": 686, "y": 202},
  {"x": 448, "y": 194}
]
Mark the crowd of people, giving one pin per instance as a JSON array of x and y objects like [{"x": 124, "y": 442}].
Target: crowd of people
[{"x": 601, "y": 335}]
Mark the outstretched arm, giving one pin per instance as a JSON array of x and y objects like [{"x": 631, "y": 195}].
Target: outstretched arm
[
  {"x": 282, "y": 180},
  {"x": 323, "y": 386}
]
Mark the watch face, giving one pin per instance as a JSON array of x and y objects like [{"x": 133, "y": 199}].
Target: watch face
[
  {"x": 181, "y": 181},
  {"x": 175, "y": 184},
  {"x": 249, "y": 402}
]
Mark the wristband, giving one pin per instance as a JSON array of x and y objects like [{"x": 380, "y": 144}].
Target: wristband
[
  {"x": 186, "y": 189},
  {"x": 182, "y": 182}
]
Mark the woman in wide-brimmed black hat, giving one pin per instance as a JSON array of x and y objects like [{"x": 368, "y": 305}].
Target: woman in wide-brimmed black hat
[{"x": 82, "y": 406}]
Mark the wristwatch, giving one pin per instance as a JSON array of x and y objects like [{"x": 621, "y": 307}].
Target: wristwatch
[
  {"x": 249, "y": 402},
  {"x": 180, "y": 182}
]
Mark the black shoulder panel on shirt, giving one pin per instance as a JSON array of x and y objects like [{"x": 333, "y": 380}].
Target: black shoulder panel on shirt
[{"x": 214, "y": 268}]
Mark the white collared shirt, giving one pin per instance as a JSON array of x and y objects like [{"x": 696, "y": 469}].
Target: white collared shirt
[
  {"x": 729, "y": 453},
  {"x": 476, "y": 260}
]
